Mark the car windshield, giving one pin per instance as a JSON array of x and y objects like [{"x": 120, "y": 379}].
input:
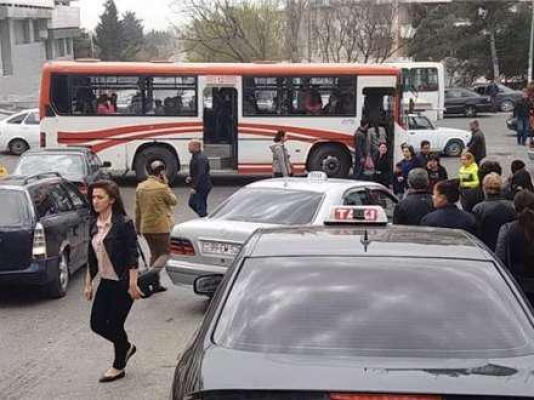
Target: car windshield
[
  {"x": 383, "y": 307},
  {"x": 14, "y": 210},
  {"x": 271, "y": 206},
  {"x": 68, "y": 165}
]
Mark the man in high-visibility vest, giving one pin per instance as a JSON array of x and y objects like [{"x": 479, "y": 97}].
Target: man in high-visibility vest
[{"x": 3, "y": 171}]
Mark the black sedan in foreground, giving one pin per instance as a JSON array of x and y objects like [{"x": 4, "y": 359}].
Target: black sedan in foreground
[
  {"x": 466, "y": 102},
  {"x": 361, "y": 313}
]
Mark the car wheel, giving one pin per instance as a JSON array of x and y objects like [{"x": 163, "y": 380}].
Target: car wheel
[
  {"x": 470, "y": 111},
  {"x": 507, "y": 105},
  {"x": 332, "y": 160},
  {"x": 18, "y": 146},
  {"x": 155, "y": 153},
  {"x": 454, "y": 148},
  {"x": 58, "y": 287}
]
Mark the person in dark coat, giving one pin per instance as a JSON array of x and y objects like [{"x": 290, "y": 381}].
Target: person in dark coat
[
  {"x": 477, "y": 144},
  {"x": 403, "y": 168},
  {"x": 417, "y": 203},
  {"x": 520, "y": 180},
  {"x": 436, "y": 171},
  {"x": 424, "y": 154},
  {"x": 383, "y": 166},
  {"x": 493, "y": 212},
  {"x": 199, "y": 179},
  {"x": 447, "y": 214},
  {"x": 471, "y": 197},
  {"x": 515, "y": 243},
  {"x": 522, "y": 113}
]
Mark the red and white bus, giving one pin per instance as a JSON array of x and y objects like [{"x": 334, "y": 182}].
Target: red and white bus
[{"x": 133, "y": 113}]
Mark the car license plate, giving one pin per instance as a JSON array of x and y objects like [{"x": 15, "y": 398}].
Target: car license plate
[{"x": 220, "y": 248}]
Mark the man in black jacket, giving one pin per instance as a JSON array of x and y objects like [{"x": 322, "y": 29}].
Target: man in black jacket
[
  {"x": 477, "y": 144},
  {"x": 447, "y": 214},
  {"x": 199, "y": 179},
  {"x": 493, "y": 212},
  {"x": 418, "y": 201}
]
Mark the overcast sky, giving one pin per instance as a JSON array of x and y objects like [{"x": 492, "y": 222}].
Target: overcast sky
[{"x": 156, "y": 14}]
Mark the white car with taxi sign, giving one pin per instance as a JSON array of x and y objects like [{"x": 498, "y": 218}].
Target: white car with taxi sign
[{"x": 209, "y": 245}]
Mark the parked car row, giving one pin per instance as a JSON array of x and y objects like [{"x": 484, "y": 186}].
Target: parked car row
[
  {"x": 44, "y": 218},
  {"x": 480, "y": 98}
]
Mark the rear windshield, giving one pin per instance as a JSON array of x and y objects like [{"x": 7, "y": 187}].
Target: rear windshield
[
  {"x": 271, "y": 206},
  {"x": 383, "y": 307},
  {"x": 68, "y": 165},
  {"x": 14, "y": 208}
]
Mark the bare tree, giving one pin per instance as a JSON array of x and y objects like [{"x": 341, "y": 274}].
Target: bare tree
[
  {"x": 348, "y": 30},
  {"x": 295, "y": 11},
  {"x": 228, "y": 30}
]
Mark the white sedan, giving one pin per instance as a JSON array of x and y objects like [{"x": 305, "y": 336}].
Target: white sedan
[
  {"x": 209, "y": 245},
  {"x": 448, "y": 141},
  {"x": 20, "y": 132}
]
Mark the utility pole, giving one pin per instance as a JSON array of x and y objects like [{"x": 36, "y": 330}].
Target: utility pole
[{"x": 531, "y": 47}]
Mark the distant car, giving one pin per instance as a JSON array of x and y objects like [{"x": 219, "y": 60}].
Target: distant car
[
  {"x": 361, "y": 313},
  {"x": 505, "y": 99},
  {"x": 44, "y": 232},
  {"x": 448, "y": 141},
  {"x": 20, "y": 132},
  {"x": 209, "y": 245},
  {"x": 79, "y": 165},
  {"x": 466, "y": 102}
]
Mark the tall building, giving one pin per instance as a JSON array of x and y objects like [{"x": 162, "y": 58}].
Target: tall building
[{"x": 31, "y": 33}]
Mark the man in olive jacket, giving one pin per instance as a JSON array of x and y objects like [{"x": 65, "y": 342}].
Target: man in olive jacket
[{"x": 154, "y": 200}]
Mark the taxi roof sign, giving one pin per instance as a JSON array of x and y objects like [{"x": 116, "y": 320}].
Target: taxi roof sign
[{"x": 364, "y": 215}]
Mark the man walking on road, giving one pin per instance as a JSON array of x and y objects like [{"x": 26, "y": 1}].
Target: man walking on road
[
  {"x": 154, "y": 200},
  {"x": 199, "y": 179},
  {"x": 477, "y": 144},
  {"x": 522, "y": 113}
]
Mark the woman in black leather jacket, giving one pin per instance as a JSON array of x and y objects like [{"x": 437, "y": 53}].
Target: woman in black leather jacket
[{"x": 112, "y": 254}]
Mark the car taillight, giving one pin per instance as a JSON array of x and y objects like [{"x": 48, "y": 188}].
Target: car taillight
[
  {"x": 39, "y": 242},
  {"x": 182, "y": 247},
  {"x": 348, "y": 396},
  {"x": 42, "y": 140}
]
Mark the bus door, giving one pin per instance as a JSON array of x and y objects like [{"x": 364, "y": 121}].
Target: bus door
[
  {"x": 220, "y": 120},
  {"x": 378, "y": 109}
]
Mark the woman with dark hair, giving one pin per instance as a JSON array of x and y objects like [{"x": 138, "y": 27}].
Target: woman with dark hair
[
  {"x": 281, "y": 163},
  {"x": 113, "y": 254},
  {"x": 515, "y": 243},
  {"x": 403, "y": 168},
  {"x": 383, "y": 172}
]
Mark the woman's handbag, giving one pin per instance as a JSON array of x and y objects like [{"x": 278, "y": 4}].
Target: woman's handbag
[{"x": 148, "y": 280}]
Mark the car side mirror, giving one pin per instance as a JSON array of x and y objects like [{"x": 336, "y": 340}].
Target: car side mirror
[
  {"x": 206, "y": 285},
  {"x": 106, "y": 164}
]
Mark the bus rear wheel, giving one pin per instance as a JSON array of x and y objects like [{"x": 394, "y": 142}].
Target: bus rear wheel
[
  {"x": 333, "y": 160},
  {"x": 155, "y": 153}
]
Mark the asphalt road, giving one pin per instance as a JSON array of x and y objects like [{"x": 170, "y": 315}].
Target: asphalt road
[{"x": 47, "y": 350}]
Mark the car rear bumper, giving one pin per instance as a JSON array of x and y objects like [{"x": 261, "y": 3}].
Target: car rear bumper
[
  {"x": 38, "y": 273},
  {"x": 183, "y": 273}
]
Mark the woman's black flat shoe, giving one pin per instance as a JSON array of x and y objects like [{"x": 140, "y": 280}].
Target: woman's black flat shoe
[{"x": 105, "y": 378}]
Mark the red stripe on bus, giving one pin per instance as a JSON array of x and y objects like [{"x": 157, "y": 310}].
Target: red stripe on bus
[
  {"x": 112, "y": 132},
  {"x": 306, "y": 131}
]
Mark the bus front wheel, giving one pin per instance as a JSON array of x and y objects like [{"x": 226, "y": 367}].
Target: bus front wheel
[
  {"x": 156, "y": 153},
  {"x": 332, "y": 160}
]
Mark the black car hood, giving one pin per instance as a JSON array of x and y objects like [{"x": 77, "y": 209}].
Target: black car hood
[{"x": 224, "y": 369}]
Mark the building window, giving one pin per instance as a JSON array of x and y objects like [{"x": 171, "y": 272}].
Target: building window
[
  {"x": 36, "y": 30},
  {"x": 22, "y": 31},
  {"x": 48, "y": 49},
  {"x": 5, "y": 49},
  {"x": 69, "y": 43},
  {"x": 60, "y": 48}
]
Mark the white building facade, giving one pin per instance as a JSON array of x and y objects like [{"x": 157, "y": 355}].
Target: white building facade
[{"x": 31, "y": 33}]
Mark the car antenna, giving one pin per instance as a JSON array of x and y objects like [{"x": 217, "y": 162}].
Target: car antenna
[{"x": 365, "y": 240}]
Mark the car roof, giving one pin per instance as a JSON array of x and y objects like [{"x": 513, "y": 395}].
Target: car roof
[
  {"x": 305, "y": 184},
  {"x": 62, "y": 150},
  {"x": 15, "y": 181},
  {"x": 370, "y": 241}
]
